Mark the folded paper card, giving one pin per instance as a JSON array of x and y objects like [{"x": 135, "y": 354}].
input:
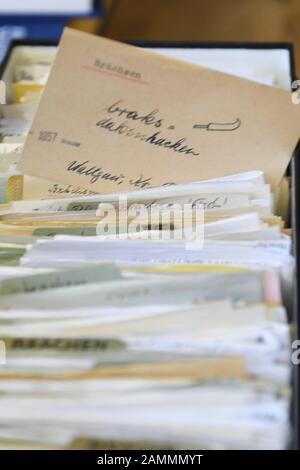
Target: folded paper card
[{"x": 114, "y": 117}]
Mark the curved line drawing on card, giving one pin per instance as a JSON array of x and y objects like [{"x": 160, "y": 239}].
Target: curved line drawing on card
[{"x": 220, "y": 126}]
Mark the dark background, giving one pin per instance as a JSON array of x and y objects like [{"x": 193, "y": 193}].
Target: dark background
[{"x": 199, "y": 20}]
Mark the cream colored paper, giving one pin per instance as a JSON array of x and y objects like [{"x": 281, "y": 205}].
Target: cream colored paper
[{"x": 114, "y": 117}]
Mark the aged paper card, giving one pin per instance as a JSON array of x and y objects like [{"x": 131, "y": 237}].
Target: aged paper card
[{"x": 115, "y": 117}]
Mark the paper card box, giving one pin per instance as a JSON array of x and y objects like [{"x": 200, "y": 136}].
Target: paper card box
[{"x": 271, "y": 64}]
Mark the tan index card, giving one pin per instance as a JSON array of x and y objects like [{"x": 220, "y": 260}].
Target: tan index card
[{"x": 114, "y": 117}]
